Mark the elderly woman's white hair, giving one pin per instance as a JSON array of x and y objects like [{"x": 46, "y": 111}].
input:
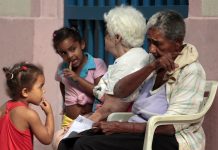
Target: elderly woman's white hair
[{"x": 127, "y": 22}]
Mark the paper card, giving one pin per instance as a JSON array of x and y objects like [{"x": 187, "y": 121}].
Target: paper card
[{"x": 80, "y": 124}]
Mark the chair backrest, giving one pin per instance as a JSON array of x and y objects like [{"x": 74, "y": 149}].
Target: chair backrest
[
  {"x": 153, "y": 122},
  {"x": 209, "y": 96}
]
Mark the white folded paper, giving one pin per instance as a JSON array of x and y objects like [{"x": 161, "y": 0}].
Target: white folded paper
[{"x": 80, "y": 124}]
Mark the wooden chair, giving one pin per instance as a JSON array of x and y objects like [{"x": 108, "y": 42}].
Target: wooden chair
[{"x": 155, "y": 121}]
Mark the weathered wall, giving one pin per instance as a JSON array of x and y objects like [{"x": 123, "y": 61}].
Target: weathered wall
[
  {"x": 26, "y": 28},
  {"x": 202, "y": 31}
]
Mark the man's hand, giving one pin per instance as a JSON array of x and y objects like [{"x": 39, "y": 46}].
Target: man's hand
[
  {"x": 108, "y": 127},
  {"x": 166, "y": 62}
]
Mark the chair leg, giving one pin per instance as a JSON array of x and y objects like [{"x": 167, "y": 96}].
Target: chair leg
[{"x": 149, "y": 137}]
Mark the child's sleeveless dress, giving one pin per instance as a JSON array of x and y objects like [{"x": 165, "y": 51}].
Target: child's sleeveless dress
[{"x": 10, "y": 137}]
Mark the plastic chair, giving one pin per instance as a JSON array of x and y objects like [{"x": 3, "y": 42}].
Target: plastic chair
[{"x": 155, "y": 121}]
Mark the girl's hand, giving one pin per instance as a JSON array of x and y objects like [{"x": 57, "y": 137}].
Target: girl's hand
[
  {"x": 66, "y": 128},
  {"x": 46, "y": 107},
  {"x": 71, "y": 74}
]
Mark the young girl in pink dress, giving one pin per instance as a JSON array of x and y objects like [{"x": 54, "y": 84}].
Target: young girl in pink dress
[{"x": 78, "y": 73}]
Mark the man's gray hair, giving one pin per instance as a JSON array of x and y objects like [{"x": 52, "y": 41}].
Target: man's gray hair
[{"x": 170, "y": 23}]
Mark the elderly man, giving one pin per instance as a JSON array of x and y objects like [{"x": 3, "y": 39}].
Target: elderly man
[{"x": 177, "y": 85}]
